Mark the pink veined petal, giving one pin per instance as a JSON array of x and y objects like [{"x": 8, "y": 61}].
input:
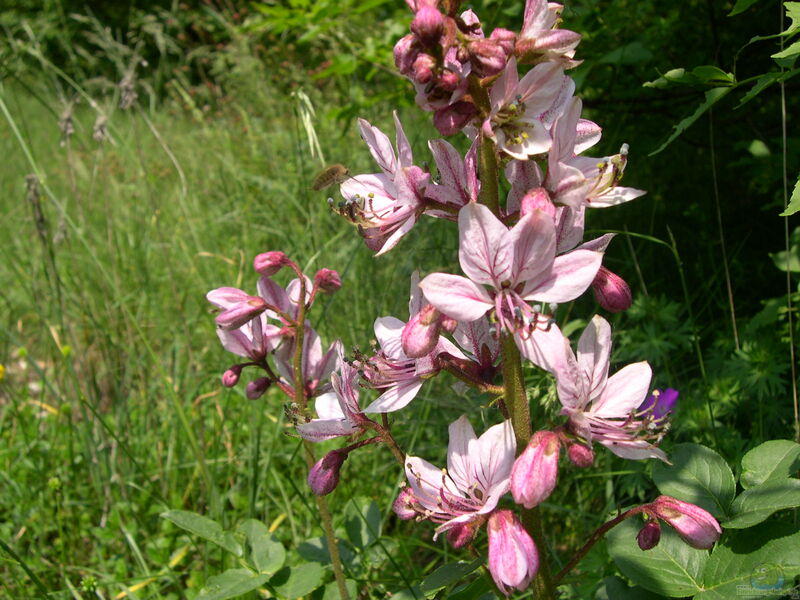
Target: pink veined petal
[
  {"x": 564, "y": 132},
  {"x": 615, "y": 196},
  {"x": 397, "y": 235},
  {"x": 587, "y": 134},
  {"x": 456, "y": 296},
  {"x": 540, "y": 87},
  {"x": 274, "y": 295},
  {"x": 396, "y": 397},
  {"x": 594, "y": 354},
  {"x": 537, "y": 141},
  {"x": 547, "y": 349},
  {"x": 561, "y": 40},
  {"x": 225, "y": 297},
  {"x": 328, "y": 407},
  {"x": 524, "y": 175},
  {"x": 635, "y": 450},
  {"x": 624, "y": 392},
  {"x": 377, "y": 184},
  {"x": 534, "y": 247},
  {"x": 563, "y": 96},
  {"x": 598, "y": 244},
  {"x": 534, "y": 18},
  {"x": 471, "y": 167},
  {"x": 320, "y": 430},
  {"x": 460, "y": 462},
  {"x": 484, "y": 246},
  {"x": 235, "y": 342},
  {"x": 293, "y": 289},
  {"x": 474, "y": 336},
  {"x": 504, "y": 88},
  {"x": 379, "y": 146},
  {"x": 388, "y": 331},
  {"x": 328, "y": 362},
  {"x": 403, "y": 147},
  {"x": 572, "y": 273},
  {"x": 425, "y": 481},
  {"x": 496, "y": 450},
  {"x": 451, "y": 169}
]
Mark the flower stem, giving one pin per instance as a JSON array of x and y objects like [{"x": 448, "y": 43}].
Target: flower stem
[{"x": 488, "y": 170}]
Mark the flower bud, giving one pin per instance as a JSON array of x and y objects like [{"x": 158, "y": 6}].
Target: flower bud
[
  {"x": 427, "y": 25},
  {"x": 256, "y": 388},
  {"x": 421, "y": 333},
  {"x": 324, "y": 475},
  {"x": 505, "y": 38},
  {"x": 452, "y": 119},
  {"x": 534, "y": 474},
  {"x": 269, "y": 263},
  {"x": 537, "y": 199},
  {"x": 231, "y": 377},
  {"x": 449, "y": 81},
  {"x": 487, "y": 57},
  {"x": 327, "y": 280},
  {"x": 240, "y": 313},
  {"x": 649, "y": 535},
  {"x": 580, "y": 455},
  {"x": 405, "y": 53},
  {"x": 462, "y": 534},
  {"x": 611, "y": 291},
  {"x": 404, "y": 504},
  {"x": 513, "y": 558},
  {"x": 423, "y": 68},
  {"x": 696, "y": 526}
]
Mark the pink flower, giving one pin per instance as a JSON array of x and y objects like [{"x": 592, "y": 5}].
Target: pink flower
[
  {"x": 605, "y": 409},
  {"x": 513, "y": 557},
  {"x": 535, "y": 471},
  {"x": 696, "y": 526},
  {"x": 518, "y": 266},
  {"x": 477, "y": 475},
  {"x": 237, "y": 306},
  {"x": 338, "y": 413},
  {"x": 316, "y": 366},
  {"x": 540, "y": 39}
]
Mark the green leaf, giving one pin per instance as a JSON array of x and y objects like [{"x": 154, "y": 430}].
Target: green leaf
[
  {"x": 447, "y": 575},
  {"x": 614, "y": 588},
  {"x": 293, "y": 582},
  {"x": 790, "y": 52},
  {"x": 673, "y": 568},
  {"x": 756, "y": 563},
  {"x": 412, "y": 593},
  {"x": 775, "y": 459},
  {"x": 362, "y": 521},
  {"x": 794, "y": 201},
  {"x": 712, "y": 97},
  {"x": 332, "y": 590},
  {"x": 759, "y": 86},
  {"x": 712, "y": 75},
  {"x": 756, "y": 504},
  {"x": 206, "y": 528},
  {"x": 697, "y": 475},
  {"x": 230, "y": 584},
  {"x": 266, "y": 553},
  {"x": 741, "y": 6},
  {"x": 479, "y": 589}
]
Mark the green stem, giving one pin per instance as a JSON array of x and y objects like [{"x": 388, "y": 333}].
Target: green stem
[
  {"x": 302, "y": 401},
  {"x": 488, "y": 170}
]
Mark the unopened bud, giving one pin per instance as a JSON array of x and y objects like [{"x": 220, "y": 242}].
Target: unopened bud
[
  {"x": 649, "y": 535},
  {"x": 696, "y": 526},
  {"x": 231, "y": 377},
  {"x": 404, "y": 504},
  {"x": 324, "y": 475},
  {"x": 611, "y": 291},
  {"x": 513, "y": 557},
  {"x": 537, "y": 199},
  {"x": 423, "y": 68},
  {"x": 448, "y": 324},
  {"x": 461, "y": 534},
  {"x": 487, "y": 57},
  {"x": 534, "y": 474},
  {"x": 421, "y": 333},
  {"x": 580, "y": 455},
  {"x": 427, "y": 25},
  {"x": 449, "y": 81},
  {"x": 327, "y": 280},
  {"x": 269, "y": 263},
  {"x": 241, "y": 312},
  {"x": 505, "y": 38},
  {"x": 256, "y": 388},
  {"x": 405, "y": 53}
]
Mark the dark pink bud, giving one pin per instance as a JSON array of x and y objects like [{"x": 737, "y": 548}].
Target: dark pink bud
[
  {"x": 405, "y": 53},
  {"x": 256, "y": 388},
  {"x": 231, "y": 377},
  {"x": 324, "y": 475},
  {"x": 487, "y": 57},
  {"x": 462, "y": 534},
  {"x": 327, "y": 280},
  {"x": 404, "y": 504},
  {"x": 448, "y": 324},
  {"x": 534, "y": 474},
  {"x": 452, "y": 119},
  {"x": 505, "y": 38},
  {"x": 421, "y": 333},
  {"x": 427, "y": 25},
  {"x": 696, "y": 526},
  {"x": 423, "y": 68},
  {"x": 449, "y": 81},
  {"x": 649, "y": 535},
  {"x": 611, "y": 291},
  {"x": 513, "y": 558},
  {"x": 269, "y": 263},
  {"x": 580, "y": 455},
  {"x": 537, "y": 199},
  {"x": 240, "y": 313}
]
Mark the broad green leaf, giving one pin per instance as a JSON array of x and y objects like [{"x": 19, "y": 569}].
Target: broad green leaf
[
  {"x": 614, "y": 588},
  {"x": 775, "y": 459},
  {"x": 712, "y": 97},
  {"x": 447, "y": 575},
  {"x": 790, "y": 52},
  {"x": 756, "y": 504},
  {"x": 206, "y": 528},
  {"x": 794, "y": 201},
  {"x": 755, "y": 563},
  {"x": 266, "y": 553},
  {"x": 793, "y": 14},
  {"x": 672, "y": 568},
  {"x": 741, "y": 6},
  {"x": 479, "y": 589},
  {"x": 293, "y": 582},
  {"x": 697, "y": 475},
  {"x": 787, "y": 261},
  {"x": 759, "y": 86},
  {"x": 231, "y": 584},
  {"x": 711, "y": 74},
  {"x": 412, "y": 593},
  {"x": 316, "y": 550},
  {"x": 362, "y": 521},
  {"x": 332, "y": 590}
]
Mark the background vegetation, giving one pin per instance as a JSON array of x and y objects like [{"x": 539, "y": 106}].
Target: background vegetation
[{"x": 119, "y": 214}]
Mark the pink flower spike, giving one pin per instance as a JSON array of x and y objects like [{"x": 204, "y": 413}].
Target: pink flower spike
[
  {"x": 535, "y": 471},
  {"x": 611, "y": 291},
  {"x": 696, "y": 526},
  {"x": 513, "y": 557}
]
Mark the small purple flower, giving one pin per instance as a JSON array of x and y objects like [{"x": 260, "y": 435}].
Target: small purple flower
[{"x": 660, "y": 403}]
